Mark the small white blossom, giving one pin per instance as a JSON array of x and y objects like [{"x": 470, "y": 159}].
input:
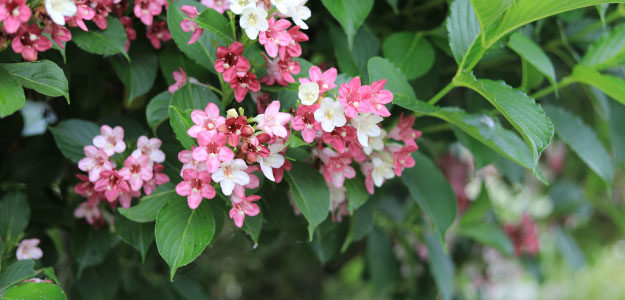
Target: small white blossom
[
  {"x": 283, "y": 6},
  {"x": 299, "y": 14},
  {"x": 366, "y": 126},
  {"x": 376, "y": 143},
  {"x": 237, "y": 6},
  {"x": 28, "y": 250},
  {"x": 254, "y": 21},
  {"x": 230, "y": 173},
  {"x": 273, "y": 161},
  {"x": 382, "y": 170},
  {"x": 308, "y": 93},
  {"x": 331, "y": 114},
  {"x": 59, "y": 9}
]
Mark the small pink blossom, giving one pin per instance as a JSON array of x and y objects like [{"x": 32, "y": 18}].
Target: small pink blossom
[
  {"x": 280, "y": 71},
  {"x": 377, "y": 97},
  {"x": 86, "y": 189},
  {"x": 242, "y": 206},
  {"x": 219, "y": 5},
  {"x": 336, "y": 167},
  {"x": 241, "y": 85},
  {"x": 28, "y": 41},
  {"x": 236, "y": 127},
  {"x": 150, "y": 148},
  {"x": 28, "y": 249},
  {"x": 404, "y": 131},
  {"x": 212, "y": 150},
  {"x": 339, "y": 137},
  {"x": 59, "y": 34},
  {"x": 231, "y": 62},
  {"x": 325, "y": 80},
  {"x": 111, "y": 140},
  {"x": 273, "y": 121},
  {"x": 367, "y": 170},
  {"x": 14, "y": 13},
  {"x": 112, "y": 184},
  {"x": 136, "y": 170},
  {"x": 231, "y": 173},
  {"x": 239, "y": 190},
  {"x": 402, "y": 158},
  {"x": 158, "y": 32},
  {"x": 102, "y": 9},
  {"x": 181, "y": 79},
  {"x": 131, "y": 33},
  {"x": 196, "y": 186},
  {"x": 294, "y": 49},
  {"x": 145, "y": 10},
  {"x": 85, "y": 12},
  {"x": 524, "y": 236},
  {"x": 158, "y": 178},
  {"x": 206, "y": 120},
  {"x": 125, "y": 198},
  {"x": 350, "y": 97},
  {"x": 191, "y": 26},
  {"x": 95, "y": 161},
  {"x": 275, "y": 36},
  {"x": 186, "y": 158},
  {"x": 279, "y": 172},
  {"x": 89, "y": 211},
  {"x": 305, "y": 122}
]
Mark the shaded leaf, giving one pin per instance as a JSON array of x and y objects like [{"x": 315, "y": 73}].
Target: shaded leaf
[
  {"x": 533, "y": 54},
  {"x": 11, "y": 94},
  {"x": 14, "y": 215},
  {"x": 310, "y": 193},
  {"x": 463, "y": 28},
  {"x": 148, "y": 207},
  {"x": 42, "y": 76},
  {"x": 138, "y": 75},
  {"x": 72, "y": 135},
  {"x": 441, "y": 267},
  {"x": 138, "y": 235},
  {"x": 157, "y": 110},
  {"x": 411, "y": 52},
  {"x": 350, "y": 14}
]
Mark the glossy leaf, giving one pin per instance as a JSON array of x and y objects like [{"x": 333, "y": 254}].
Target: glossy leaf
[
  {"x": 216, "y": 23},
  {"x": 42, "y": 76},
  {"x": 148, "y": 207},
  {"x": 533, "y": 54},
  {"x": 608, "y": 51},
  {"x": 157, "y": 110},
  {"x": 72, "y": 135},
  {"x": 138, "y": 235},
  {"x": 611, "y": 85},
  {"x": 11, "y": 94},
  {"x": 16, "y": 272},
  {"x": 411, "y": 52},
  {"x": 110, "y": 41},
  {"x": 350, "y": 14},
  {"x": 33, "y": 290},
  {"x": 441, "y": 267},
  {"x": 582, "y": 140},
  {"x": 404, "y": 96},
  {"x": 183, "y": 233},
  {"x": 310, "y": 193},
  {"x": 139, "y": 74},
  {"x": 463, "y": 28},
  {"x": 14, "y": 215}
]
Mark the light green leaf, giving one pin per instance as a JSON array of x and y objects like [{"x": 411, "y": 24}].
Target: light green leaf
[
  {"x": 489, "y": 12},
  {"x": 138, "y": 235},
  {"x": 404, "y": 96},
  {"x": 42, "y": 76},
  {"x": 11, "y": 94},
  {"x": 350, "y": 14},
  {"x": 148, "y": 207},
  {"x": 518, "y": 108},
  {"x": 216, "y": 23},
  {"x": 441, "y": 267},
  {"x": 429, "y": 188},
  {"x": 32, "y": 290},
  {"x": 534, "y": 55},
  {"x": 381, "y": 260},
  {"x": 72, "y": 135},
  {"x": 16, "y": 272},
  {"x": 601, "y": 10},
  {"x": 158, "y": 109},
  {"x": 488, "y": 234},
  {"x": 611, "y": 85},
  {"x": 608, "y": 51},
  {"x": 183, "y": 233},
  {"x": 310, "y": 193},
  {"x": 463, "y": 28},
  {"x": 411, "y": 52},
  {"x": 14, "y": 215},
  {"x": 139, "y": 73},
  {"x": 582, "y": 140},
  {"x": 110, "y": 41}
]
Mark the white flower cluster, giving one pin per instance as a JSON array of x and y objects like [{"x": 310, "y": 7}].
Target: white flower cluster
[{"x": 254, "y": 14}]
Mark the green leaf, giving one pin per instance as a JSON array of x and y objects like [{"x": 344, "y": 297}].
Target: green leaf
[
  {"x": 139, "y": 73},
  {"x": 326, "y": 241},
  {"x": 101, "y": 282},
  {"x": 180, "y": 122},
  {"x": 90, "y": 246},
  {"x": 148, "y": 207},
  {"x": 582, "y": 140},
  {"x": 157, "y": 110},
  {"x": 14, "y": 215},
  {"x": 16, "y": 272},
  {"x": 253, "y": 226},
  {"x": 617, "y": 127},
  {"x": 186, "y": 99},
  {"x": 11, "y": 94},
  {"x": 183, "y": 233},
  {"x": 611, "y": 85},
  {"x": 310, "y": 193},
  {"x": 42, "y": 76},
  {"x": 534, "y": 55},
  {"x": 171, "y": 59},
  {"x": 353, "y": 62},
  {"x": 411, "y": 52},
  {"x": 138, "y": 235},
  {"x": 429, "y": 188},
  {"x": 360, "y": 224},
  {"x": 489, "y": 12},
  {"x": 488, "y": 234},
  {"x": 608, "y": 51},
  {"x": 72, "y": 135},
  {"x": 356, "y": 192},
  {"x": 204, "y": 51},
  {"x": 216, "y": 23},
  {"x": 571, "y": 252},
  {"x": 381, "y": 260},
  {"x": 393, "y": 4},
  {"x": 441, "y": 267},
  {"x": 404, "y": 96},
  {"x": 32, "y": 290},
  {"x": 350, "y": 14},
  {"x": 110, "y": 41},
  {"x": 601, "y": 10},
  {"x": 519, "y": 109},
  {"x": 463, "y": 28}
]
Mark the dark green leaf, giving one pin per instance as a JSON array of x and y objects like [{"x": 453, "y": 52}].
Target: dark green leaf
[
  {"x": 356, "y": 193},
  {"x": 381, "y": 260},
  {"x": 617, "y": 127},
  {"x": 533, "y": 54},
  {"x": 90, "y": 246},
  {"x": 441, "y": 267},
  {"x": 42, "y": 76},
  {"x": 139, "y": 73},
  {"x": 327, "y": 241},
  {"x": 253, "y": 226},
  {"x": 148, "y": 207},
  {"x": 463, "y": 28},
  {"x": 158, "y": 109},
  {"x": 310, "y": 193},
  {"x": 11, "y": 94},
  {"x": 71, "y": 136},
  {"x": 183, "y": 102},
  {"x": 171, "y": 59},
  {"x": 354, "y": 61},
  {"x": 100, "y": 282},
  {"x": 16, "y": 272},
  {"x": 411, "y": 52},
  {"x": 361, "y": 223},
  {"x": 14, "y": 215},
  {"x": 216, "y": 23},
  {"x": 138, "y": 235},
  {"x": 32, "y": 290},
  {"x": 350, "y": 14},
  {"x": 404, "y": 96},
  {"x": 110, "y": 41}
]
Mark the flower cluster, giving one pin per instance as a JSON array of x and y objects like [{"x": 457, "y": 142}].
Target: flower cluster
[
  {"x": 141, "y": 170},
  {"x": 232, "y": 151},
  {"x": 524, "y": 236}
]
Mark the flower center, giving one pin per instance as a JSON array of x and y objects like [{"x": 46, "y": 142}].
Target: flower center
[{"x": 16, "y": 12}]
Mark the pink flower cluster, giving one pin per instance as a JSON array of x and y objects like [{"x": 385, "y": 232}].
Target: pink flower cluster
[
  {"x": 235, "y": 69},
  {"x": 279, "y": 40},
  {"x": 233, "y": 153},
  {"x": 524, "y": 236},
  {"x": 141, "y": 170}
]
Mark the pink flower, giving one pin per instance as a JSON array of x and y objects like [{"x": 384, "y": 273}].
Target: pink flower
[
  {"x": 276, "y": 36},
  {"x": 357, "y": 152},
  {"x": 402, "y": 158},
  {"x": 524, "y": 236},
  {"x": 13, "y": 13},
  {"x": 195, "y": 187},
  {"x": 111, "y": 140},
  {"x": 88, "y": 211},
  {"x": 377, "y": 97},
  {"x": 86, "y": 189},
  {"x": 86, "y": 12},
  {"x": 158, "y": 32},
  {"x": 305, "y": 122},
  {"x": 145, "y": 10},
  {"x": 28, "y": 249},
  {"x": 150, "y": 148},
  {"x": 112, "y": 184},
  {"x": 60, "y": 34},
  {"x": 181, "y": 79},
  {"x": 219, "y": 5},
  {"x": 136, "y": 170},
  {"x": 404, "y": 131},
  {"x": 351, "y": 98},
  {"x": 294, "y": 49},
  {"x": 235, "y": 128},
  {"x": 95, "y": 161},
  {"x": 339, "y": 137},
  {"x": 242, "y": 84},
  {"x": 131, "y": 34},
  {"x": 272, "y": 121},
  {"x": 212, "y": 150},
  {"x": 186, "y": 158},
  {"x": 230, "y": 61},
  {"x": 207, "y": 120},
  {"x": 367, "y": 170},
  {"x": 158, "y": 178},
  {"x": 280, "y": 70},
  {"x": 242, "y": 206},
  {"x": 252, "y": 147},
  {"x": 262, "y": 100},
  {"x": 102, "y": 9},
  {"x": 28, "y": 41},
  {"x": 325, "y": 80},
  {"x": 336, "y": 167},
  {"x": 190, "y": 26}
]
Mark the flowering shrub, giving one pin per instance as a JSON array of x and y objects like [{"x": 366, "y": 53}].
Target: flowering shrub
[{"x": 252, "y": 141}]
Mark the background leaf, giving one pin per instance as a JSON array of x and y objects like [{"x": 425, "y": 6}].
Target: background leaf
[
  {"x": 138, "y": 235},
  {"x": 216, "y": 23},
  {"x": 533, "y": 54},
  {"x": 90, "y": 246},
  {"x": 381, "y": 260},
  {"x": 11, "y": 94},
  {"x": 72, "y": 135},
  {"x": 16, "y": 272},
  {"x": 608, "y": 51},
  {"x": 139, "y": 74},
  {"x": 380, "y": 68},
  {"x": 489, "y": 11},
  {"x": 110, "y": 41},
  {"x": 157, "y": 110},
  {"x": 42, "y": 76},
  {"x": 310, "y": 193},
  {"x": 410, "y": 51},
  {"x": 14, "y": 215},
  {"x": 441, "y": 267},
  {"x": 611, "y": 85},
  {"x": 350, "y": 14}
]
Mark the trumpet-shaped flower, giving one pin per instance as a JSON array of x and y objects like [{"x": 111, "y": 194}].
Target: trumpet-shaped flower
[
  {"x": 59, "y": 9},
  {"x": 136, "y": 170},
  {"x": 95, "y": 161},
  {"x": 273, "y": 161},
  {"x": 308, "y": 93},
  {"x": 324, "y": 80},
  {"x": 242, "y": 206},
  {"x": 196, "y": 186},
  {"x": 111, "y": 140},
  {"x": 212, "y": 150},
  {"x": 366, "y": 126},
  {"x": 253, "y": 21},
  {"x": 231, "y": 173},
  {"x": 150, "y": 148},
  {"x": 330, "y": 114},
  {"x": 206, "y": 120},
  {"x": 112, "y": 184},
  {"x": 273, "y": 121},
  {"x": 13, "y": 13},
  {"x": 28, "y": 249}
]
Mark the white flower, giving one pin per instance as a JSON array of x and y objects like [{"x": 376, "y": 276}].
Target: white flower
[
  {"x": 59, "y": 9},
  {"x": 382, "y": 170},
  {"x": 376, "y": 143},
  {"x": 237, "y": 6},
  {"x": 273, "y": 161},
  {"x": 283, "y": 6},
  {"x": 254, "y": 20},
  {"x": 28, "y": 250},
  {"x": 366, "y": 126},
  {"x": 36, "y": 116},
  {"x": 230, "y": 173},
  {"x": 300, "y": 13},
  {"x": 331, "y": 114},
  {"x": 308, "y": 93}
]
